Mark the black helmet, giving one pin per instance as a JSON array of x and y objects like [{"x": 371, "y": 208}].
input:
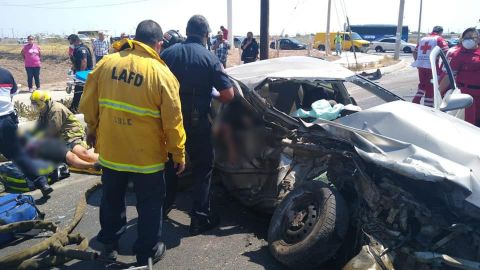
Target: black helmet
[
  {"x": 172, "y": 37},
  {"x": 437, "y": 29}
]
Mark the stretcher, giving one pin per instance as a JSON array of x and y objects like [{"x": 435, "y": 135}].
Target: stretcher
[{"x": 78, "y": 78}]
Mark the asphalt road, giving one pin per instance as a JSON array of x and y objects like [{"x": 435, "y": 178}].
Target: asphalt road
[{"x": 238, "y": 243}]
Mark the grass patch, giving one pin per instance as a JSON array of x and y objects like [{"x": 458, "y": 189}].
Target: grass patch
[{"x": 54, "y": 51}]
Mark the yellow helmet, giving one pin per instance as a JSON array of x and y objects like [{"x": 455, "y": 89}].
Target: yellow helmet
[{"x": 40, "y": 98}]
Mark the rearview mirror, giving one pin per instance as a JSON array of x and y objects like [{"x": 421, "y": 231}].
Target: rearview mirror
[{"x": 456, "y": 101}]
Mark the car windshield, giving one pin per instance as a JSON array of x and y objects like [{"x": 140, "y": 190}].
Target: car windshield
[
  {"x": 294, "y": 41},
  {"x": 356, "y": 36},
  {"x": 291, "y": 96}
]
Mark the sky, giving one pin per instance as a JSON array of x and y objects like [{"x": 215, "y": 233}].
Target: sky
[{"x": 23, "y": 17}]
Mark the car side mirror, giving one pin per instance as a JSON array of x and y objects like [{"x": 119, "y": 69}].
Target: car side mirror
[{"x": 456, "y": 101}]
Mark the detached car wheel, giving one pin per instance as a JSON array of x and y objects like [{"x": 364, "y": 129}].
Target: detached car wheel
[{"x": 308, "y": 226}]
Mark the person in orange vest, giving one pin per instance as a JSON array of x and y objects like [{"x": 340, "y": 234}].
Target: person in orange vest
[{"x": 422, "y": 62}]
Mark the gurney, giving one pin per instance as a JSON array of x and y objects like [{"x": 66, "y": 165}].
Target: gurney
[{"x": 79, "y": 78}]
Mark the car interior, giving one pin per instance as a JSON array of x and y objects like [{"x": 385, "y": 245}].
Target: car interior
[{"x": 290, "y": 95}]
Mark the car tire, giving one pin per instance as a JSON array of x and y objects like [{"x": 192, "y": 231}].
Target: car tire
[
  {"x": 321, "y": 47},
  {"x": 354, "y": 48},
  {"x": 308, "y": 226},
  {"x": 407, "y": 50},
  {"x": 379, "y": 49}
]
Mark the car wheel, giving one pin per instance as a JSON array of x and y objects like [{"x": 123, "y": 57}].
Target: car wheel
[
  {"x": 407, "y": 50},
  {"x": 354, "y": 48},
  {"x": 379, "y": 49},
  {"x": 308, "y": 226},
  {"x": 321, "y": 47}
]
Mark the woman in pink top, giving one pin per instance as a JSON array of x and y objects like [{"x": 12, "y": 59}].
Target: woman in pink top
[{"x": 31, "y": 54}]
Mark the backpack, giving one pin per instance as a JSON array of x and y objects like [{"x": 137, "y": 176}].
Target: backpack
[{"x": 16, "y": 208}]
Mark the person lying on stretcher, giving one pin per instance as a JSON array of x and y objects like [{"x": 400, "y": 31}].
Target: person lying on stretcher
[{"x": 58, "y": 134}]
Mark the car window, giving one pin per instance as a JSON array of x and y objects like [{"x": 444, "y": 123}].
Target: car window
[
  {"x": 347, "y": 37},
  {"x": 290, "y": 95},
  {"x": 368, "y": 94},
  {"x": 389, "y": 40}
]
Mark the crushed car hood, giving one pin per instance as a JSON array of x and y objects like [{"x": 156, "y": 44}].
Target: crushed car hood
[
  {"x": 293, "y": 67},
  {"x": 416, "y": 141}
]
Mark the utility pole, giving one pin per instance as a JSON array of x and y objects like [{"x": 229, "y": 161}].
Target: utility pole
[
  {"x": 327, "y": 34},
  {"x": 264, "y": 18},
  {"x": 419, "y": 21},
  {"x": 13, "y": 34},
  {"x": 230, "y": 23},
  {"x": 399, "y": 30}
]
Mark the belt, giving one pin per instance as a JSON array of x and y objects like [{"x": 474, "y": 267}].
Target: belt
[{"x": 469, "y": 86}]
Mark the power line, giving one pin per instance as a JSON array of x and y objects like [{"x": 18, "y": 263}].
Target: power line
[
  {"x": 79, "y": 7},
  {"x": 36, "y": 4}
]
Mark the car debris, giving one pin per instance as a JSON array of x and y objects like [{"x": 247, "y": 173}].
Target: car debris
[{"x": 395, "y": 186}]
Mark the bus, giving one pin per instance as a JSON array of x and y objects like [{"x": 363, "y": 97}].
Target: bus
[{"x": 373, "y": 32}]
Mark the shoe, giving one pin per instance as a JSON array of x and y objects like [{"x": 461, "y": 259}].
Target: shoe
[
  {"x": 159, "y": 254},
  {"x": 110, "y": 251},
  {"x": 200, "y": 224},
  {"x": 42, "y": 184}
]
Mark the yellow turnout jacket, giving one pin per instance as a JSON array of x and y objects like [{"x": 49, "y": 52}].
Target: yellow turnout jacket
[{"x": 131, "y": 103}]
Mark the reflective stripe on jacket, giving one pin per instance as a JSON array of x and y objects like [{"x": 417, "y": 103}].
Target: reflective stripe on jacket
[{"x": 131, "y": 103}]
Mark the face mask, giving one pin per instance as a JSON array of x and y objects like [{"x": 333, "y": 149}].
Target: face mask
[{"x": 469, "y": 44}]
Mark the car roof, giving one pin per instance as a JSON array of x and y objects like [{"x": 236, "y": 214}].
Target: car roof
[{"x": 293, "y": 67}]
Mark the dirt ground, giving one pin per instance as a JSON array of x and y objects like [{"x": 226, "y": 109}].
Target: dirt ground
[{"x": 53, "y": 74}]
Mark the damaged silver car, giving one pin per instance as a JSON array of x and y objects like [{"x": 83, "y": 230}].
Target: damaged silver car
[{"x": 394, "y": 186}]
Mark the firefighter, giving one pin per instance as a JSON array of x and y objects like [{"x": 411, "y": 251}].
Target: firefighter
[
  {"x": 57, "y": 121},
  {"x": 465, "y": 64},
  {"x": 422, "y": 62},
  {"x": 198, "y": 70},
  {"x": 133, "y": 114}
]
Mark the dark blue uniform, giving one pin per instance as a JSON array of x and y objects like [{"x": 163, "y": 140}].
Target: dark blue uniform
[
  {"x": 197, "y": 70},
  {"x": 79, "y": 53}
]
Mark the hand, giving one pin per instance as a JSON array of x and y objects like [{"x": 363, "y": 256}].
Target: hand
[
  {"x": 91, "y": 140},
  {"x": 180, "y": 167}
]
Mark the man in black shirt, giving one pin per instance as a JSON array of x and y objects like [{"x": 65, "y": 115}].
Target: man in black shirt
[
  {"x": 82, "y": 60},
  {"x": 249, "y": 49},
  {"x": 197, "y": 70}
]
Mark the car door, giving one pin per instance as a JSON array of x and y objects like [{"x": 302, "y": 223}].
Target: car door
[{"x": 389, "y": 44}]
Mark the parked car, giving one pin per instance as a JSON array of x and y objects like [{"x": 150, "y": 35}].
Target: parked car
[
  {"x": 288, "y": 44},
  {"x": 394, "y": 186},
  {"x": 22, "y": 41},
  {"x": 237, "y": 41},
  {"x": 388, "y": 44},
  {"x": 452, "y": 42},
  {"x": 84, "y": 38}
]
